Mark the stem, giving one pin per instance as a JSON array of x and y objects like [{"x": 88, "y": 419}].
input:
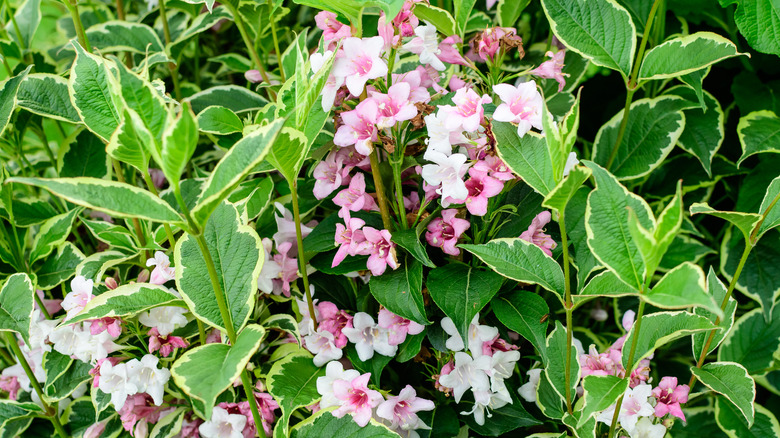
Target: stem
[
  {"x": 631, "y": 85},
  {"x": 201, "y": 332},
  {"x": 15, "y": 25},
  {"x": 153, "y": 189},
  {"x": 276, "y": 43},
  {"x": 167, "y": 32},
  {"x": 301, "y": 258},
  {"x": 136, "y": 225},
  {"x": 763, "y": 217},
  {"x": 630, "y": 367},
  {"x": 51, "y": 414},
  {"x": 5, "y": 63},
  {"x": 250, "y": 394},
  {"x": 381, "y": 199},
  {"x": 399, "y": 196},
  {"x": 73, "y": 7},
  {"x": 252, "y": 52},
  {"x": 120, "y": 10},
  {"x": 41, "y": 306},
  {"x": 569, "y": 308}
]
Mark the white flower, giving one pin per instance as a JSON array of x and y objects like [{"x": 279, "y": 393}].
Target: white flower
[
  {"x": 306, "y": 326},
  {"x": 502, "y": 365},
  {"x": 528, "y": 390},
  {"x": 447, "y": 171},
  {"x": 321, "y": 344},
  {"x": 285, "y": 226},
  {"x": 77, "y": 299},
  {"x": 484, "y": 400},
  {"x": 163, "y": 272},
  {"x": 147, "y": 378},
  {"x": 40, "y": 329},
  {"x": 426, "y": 45},
  {"x": 477, "y": 334},
  {"x": 223, "y": 425},
  {"x": 166, "y": 319},
  {"x": 646, "y": 429},
  {"x": 91, "y": 348},
  {"x": 318, "y": 60},
  {"x": 468, "y": 373},
  {"x": 270, "y": 270},
  {"x": 634, "y": 406},
  {"x": 571, "y": 161},
  {"x": 114, "y": 380},
  {"x": 368, "y": 337},
  {"x": 333, "y": 371}
]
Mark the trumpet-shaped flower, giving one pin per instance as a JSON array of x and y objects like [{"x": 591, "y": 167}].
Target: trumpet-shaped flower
[
  {"x": 522, "y": 105},
  {"x": 426, "y": 46},
  {"x": 356, "y": 399},
  {"x": 355, "y": 198},
  {"x": 445, "y": 231},
  {"x": 535, "y": 233},
  {"x": 481, "y": 187},
  {"x": 369, "y": 337},
  {"x": 395, "y": 106},
  {"x": 162, "y": 272},
  {"x": 669, "y": 395},
  {"x": 468, "y": 112},
  {"x": 380, "y": 250},
  {"x": 360, "y": 62},
  {"x": 359, "y": 127},
  {"x": 552, "y": 69},
  {"x": 166, "y": 319},
  {"x": 401, "y": 410},
  {"x": 223, "y": 425},
  {"x": 447, "y": 172},
  {"x": 78, "y": 297}
]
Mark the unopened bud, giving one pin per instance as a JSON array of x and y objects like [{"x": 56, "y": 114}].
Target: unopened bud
[
  {"x": 253, "y": 76},
  {"x": 110, "y": 283},
  {"x": 143, "y": 277}
]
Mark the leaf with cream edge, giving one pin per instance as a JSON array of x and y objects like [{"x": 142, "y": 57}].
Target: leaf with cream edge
[
  {"x": 440, "y": 18},
  {"x": 124, "y": 36},
  {"x": 601, "y": 392},
  {"x": 293, "y": 383},
  {"x": 8, "y": 95},
  {"x": 142, "y": 97},
  {"x": 560, "y": 137},
  {"x": 731, "y": 422},
  {"x": 16, "y": 305},
  {"x": 324, "y": 425},
  {"x": 717, "y": 290},
  {"x": 285, "y": 323},
  {"x": 685, "y": 54},
  {"x": 733, "y": 382},
  {"x": 605, "y": 284},
  {"x": 654, "y": 126},
  {"x": 461, "y": 292},
  {"x": 219, "y": 120},
  {"x": 606, "y": 224},
  {"x": 238, "y": 256},
  {"x": 759, "y": 22},
  {"x": 744, "y": 221},
  {"x": 527, "y": 157},
  {"x": 524, "y": 312},
  {"x": 59, "y": 267},
  {"x": 111, "y": 197},
  {"x": 704, "y": 129},
  {"x": 565, "y": 190},
  {"x": 132, "y": 142},
  {"x": 760, "y": 277},
  {"x": 288, "y": 153},
  {"x": 752, "y": 342},
  {"x": 661, "y": 328},
  {"x": 521, "y": 261},
  {"x": 233, "y": 167},
  {"x": 400, "y": 290},
  {"x": 555, "y": 363},
  {"x": 771, "y": 199},
  {"x": 600, "y": 30},
  {"x": 206, "y": 371},
  {"x": 179, "y": 141},
  {"x": 680, "y": 288},
  {"x": 169, "y": 425},
  {"x": 47, "y": 95},
  {"x": 126, "y": 301},
  {"x": 95, "y": 93},
  {"x": 758, "y": 132},
  {"x": 94, "y": 266},
  {"x": 51, "y": 234}
]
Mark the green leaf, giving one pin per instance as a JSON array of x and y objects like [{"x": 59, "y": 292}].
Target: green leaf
[
  {"x": 461, "y": 292},
  {"x": 527, "y": 157},
  {"x": 660, "y": 328},
  {"x": 760, "y": 277},
  {"x": 288, "y": 153},
  {"x": 47, "y": 95},
  {"x": 685, "y": 54},
  {"x": 237, "y": 253},
  {"x": 63, "y": 375},
  {"x": 131, "y": 141},
  {"x": 219, "y": 120},
  {"x": 94, "y": 266},
  {"x": 606, "y": 223},
  {"x": 235, "y": 98},
  {"x": 52, "y": 233},
  {"x": 440, "y": 18},
  {"x": 410, "y": 347},
  {"x": 124, "y": 36},
  {"x": 759, "y": 22},
  {"x": 680, "y": 288},
  {"x": 502, "y": 420},
  {"x": 601, "y": 392},
  {"x": 204, "y": 372},
  {"x": 547, "y": 399},
  {"x": 127, "y": 300},
  {"x": 200, "y": 24},
  {"x": 733, "y": 382},
  {"x": 324, "y": 425},
  {"x": 233, "y": 167},
  {"x": 704, "y": 131},
  {"x": 8, "y": 96},
  {"x": 283, "y": 322},
  {"x": 694, "y": 80},
  {"x": 400, "y": 290},
  {"x": 600, "y": 30},
  {"x": 59, "y": 267},
  {"x": 717, "y": 290},
  {"x": 116, "y": 236},
  {"x": 524, "y": 312},
  {"x": 744, "y": 221},
  {"x": 520, "y": 261},
  {"x": 555, "y": 363},
  {"x": 772, "y": 218},
  {"x": 752, "y": 343},
  {"x": 605, "y": 284},
  {"x": 95, "y": 93},
  {"x": 758, "y": 132},
  {"x": 27, "y": 18},
  {"x": 410, "y": 241},
  {"x": 375, "y": 365},
  {"x": 652, "y": 130},
  {"x": 169, "y": 425},
  {"x": 565, "y": 190},
  {"x": 115, "y": 198},
  {"x": 179, "y": 141},
  {"x": 16, "y": 305},
  {"x": 584, "y": 260},
  {"x": 86, "y": 156},
  {"x": 142, "y": 97},
  {"x": 10, "y": 410},
  {"x": 731, "y": 421},
  {"x": 508, "y": 11},
  {"x": 293, "y": 383}
]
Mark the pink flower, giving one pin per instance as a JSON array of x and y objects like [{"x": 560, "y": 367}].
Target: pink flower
[
  {"x": 449, "y": 52},
  {"x": 112, "y": 325},
  {"x": 397, "y": 326},
  {"x": 401, "y": 410},
  {"x": 497, "y": 344},
  {"x": 11, "y": 385},
  {"x": 417, "y": 93},
  {"x": 412, "y": 202},
  {"x": 551, "y": 69},
  {"x": 356, "y": 399},
  {"x": 394, "y": 106},
  {"x": 166, "y": 344},
  {"x": 96, "y": 430},
  {"x": 489, "y": 41},
  {"x": 77, "y": 299},
  {"x": 522, "y": 105},
  {"x": 95, "y": 371},
  {"x": 52, "y": 306},
  {"x": 334, "y": 320},
  {"x": 241, "y": 408},
  {"x": 359, "y": 127},
  {"x": 360, "y": 62},
  {"x": 349, "y": 238},
  {"x": 481, "y": 187},
  {"x": 382, "y": 250},
  {"x": 266, "y": 405},
  {"x": 163, "y": 272},
  {"x": 406, "y": 21},
  {"x": 332, "y": 29},
  {"x": 289, "y": 267},
  {"x": 328, "y": 175},
  {"x": 445, "y": 231},
  {"x": 535, "y": 233},
  {"x": 138, "y": 408},
  {"x": 495, "y": 168},
  {"x": 352, "y": 159},
  {"x": 669, "y": 396},
  {"x": 355, "y": 198},
  {"x": 426, "y": 45},
  {"x": 456, "y": 83},
  {"x": 253, "y": 76},
  {"x": 604, "y": 364},
  {"x": 468, "y": 112},
  {"x": 445, "y": 370}
]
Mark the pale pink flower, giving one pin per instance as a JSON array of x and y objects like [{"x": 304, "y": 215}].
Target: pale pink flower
[
  {"x": 412, "y": 202},
  {"x": 446, "y": 369},
  {"x": 369, "y": 337},
  {"x": 360, "y": 62},
  {"x": 352, "y": 159},
  {"x": 266, "y": 405},
  {"x": 456, "y": 83},
  {"x": 166, "y": 344},
  {"x": 253, "y": 76},
  {"x": 332, "y": 29},
  {"x": 669, "y": 395},
  {"x": 163, "y": 272},
  {"x": 535, "y": 233},
  {"x": 449, "y": 52},
  {"x": 386, "y": 31},
  {"x": 359, "y": 127},
  {"x": 497, "y": 344},
  {"x": 77, "y": 299},
  {"x": 495, "y": 168},
  {"x": 401, "y": 410},
  {"x": 349, "y": 238},
  {"x": 445, "y": 231},
  {"x": 382, "y": 249},
  {"x": 406, "y": 21},
  {"x": 394, "y": 106},
  {"x": 481, "y": 187},
  {"x": 112, "y": 325},
  {"x": 286, "y": 230},
  {"x": 522, "y": 105},
  {"x": 355, "y": 198},
  {"x": 335, "y": 321},
  {"x": 11, "y": 385},
  {"x": 634, "y": 406},
  {"x": 440, "y": 137},
  {"x": 52, "y": 306},
  {"x": 417, "y": 93},
  {"x": 96, "y": 430},
  {"x": 137, "y": 412},
  {"x": 95, "y": 371},
  {"x": 289, "y": 269},
  {"x": 551, "y": 69},
  {"x": 322, "y": 344},
  {"x": 446, "y": 172},
  {"x": 600, "y": 364},
  {"x": 327, "y": 174},
  {"x": 469, "y": 373},
  {"x": 223, "y": 425},
  {"x": 489, "y": 41},
  {"x": 426, "y": 45},
  {"x": 468, "y": 111},
  {"x": 356, "y": 399},
  {"x": 397, "y": 326}
]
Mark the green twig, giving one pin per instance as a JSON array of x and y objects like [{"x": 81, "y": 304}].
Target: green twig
[
  {"x": 381, "y": 199},
  {"x": 630, "y": 363},
  {"x": 80, "y": 33},
  {"x": 301, "y": 255},
  {"x": 276, "y": 42},
  {"x": 569, "y": 308}
]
